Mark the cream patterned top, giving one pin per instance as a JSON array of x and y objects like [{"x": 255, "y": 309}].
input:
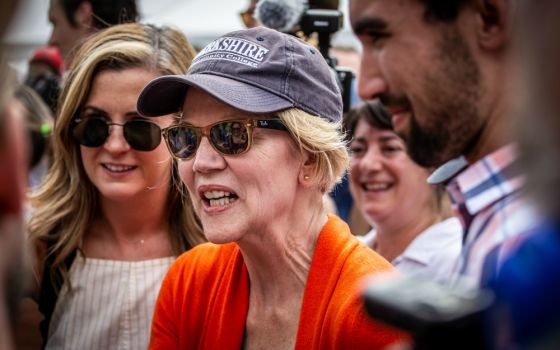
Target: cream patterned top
[{"x": 111, "y": 305}]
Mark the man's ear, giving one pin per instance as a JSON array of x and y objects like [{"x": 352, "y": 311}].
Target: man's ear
[
  {"x": 84, "y": 15},
  {"x": 495, "y": 23}
]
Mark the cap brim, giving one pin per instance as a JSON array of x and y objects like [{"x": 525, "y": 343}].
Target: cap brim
[{"x": 165, "y": 95}]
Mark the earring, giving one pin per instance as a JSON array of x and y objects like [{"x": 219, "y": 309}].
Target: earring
[{"x": 306, "y": 177}]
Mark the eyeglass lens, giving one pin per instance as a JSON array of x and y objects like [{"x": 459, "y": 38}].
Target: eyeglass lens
[
  {"x": 230, "y": 137},
  {"x": 141, "y": 135}
]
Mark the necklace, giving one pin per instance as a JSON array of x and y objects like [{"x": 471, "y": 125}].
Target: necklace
[{"x": 136, "y": 242}]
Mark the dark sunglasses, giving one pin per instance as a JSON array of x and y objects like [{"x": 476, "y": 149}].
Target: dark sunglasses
[
  {"x": 141, "y": 135},
  {"x": 228, "y": 137}
]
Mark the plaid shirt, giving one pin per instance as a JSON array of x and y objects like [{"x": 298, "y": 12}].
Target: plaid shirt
[{"x": 486, "y": 197}]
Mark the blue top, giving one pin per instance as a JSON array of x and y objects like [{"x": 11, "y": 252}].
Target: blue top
[{"x": 527, "y": 289}]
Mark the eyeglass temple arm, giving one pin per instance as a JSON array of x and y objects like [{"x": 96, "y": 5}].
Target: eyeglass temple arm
[{"x": 271, "y": 124}]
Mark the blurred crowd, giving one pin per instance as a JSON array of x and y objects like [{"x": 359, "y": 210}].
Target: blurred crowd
[{"x": 267, "y": 192}]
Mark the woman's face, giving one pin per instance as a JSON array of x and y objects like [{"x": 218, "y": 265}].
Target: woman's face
[
  {"x": 118, "y": 171},
  {"x": 243, "y": 194},
  {"x": 386, "y": 184}
]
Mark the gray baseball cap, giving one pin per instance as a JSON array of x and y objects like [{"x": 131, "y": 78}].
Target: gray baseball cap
[{"x": 258, "y": 70}]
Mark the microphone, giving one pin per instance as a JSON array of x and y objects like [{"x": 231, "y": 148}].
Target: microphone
[{"x": 282, "y": 15}]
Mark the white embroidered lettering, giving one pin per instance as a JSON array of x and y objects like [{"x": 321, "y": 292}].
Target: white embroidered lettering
[{"x": 233, "y": 49}]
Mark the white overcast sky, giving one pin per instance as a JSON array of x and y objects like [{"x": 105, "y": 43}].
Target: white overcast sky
[{"x": 200, "y": 20}]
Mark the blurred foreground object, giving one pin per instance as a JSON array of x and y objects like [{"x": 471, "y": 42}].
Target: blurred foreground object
[{"x": 437, "y": 317}]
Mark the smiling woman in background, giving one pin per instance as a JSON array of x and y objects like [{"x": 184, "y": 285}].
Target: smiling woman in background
[
  {"x": 108, "y": 220},
  {"x": 413, "y": 227},
  {"x": 280, "y": 273}
]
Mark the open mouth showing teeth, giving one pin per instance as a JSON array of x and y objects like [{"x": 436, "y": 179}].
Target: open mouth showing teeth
[
  {"x": 118, "y": 168},
  {"x": 376, "y": 187},
  {"x": 219, "y": 198}
]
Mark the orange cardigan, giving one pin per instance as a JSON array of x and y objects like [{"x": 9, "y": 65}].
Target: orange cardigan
[{"x": 204, "y": 298}]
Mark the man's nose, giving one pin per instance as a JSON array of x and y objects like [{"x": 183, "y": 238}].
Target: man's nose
[{"x": 371, "y": 82}]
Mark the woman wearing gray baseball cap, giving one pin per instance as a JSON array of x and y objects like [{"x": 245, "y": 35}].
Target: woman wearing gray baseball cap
[{"x": 258, "y": 145}]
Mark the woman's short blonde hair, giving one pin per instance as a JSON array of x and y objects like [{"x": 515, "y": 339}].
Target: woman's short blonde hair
[{"x": 324, "y": 140}]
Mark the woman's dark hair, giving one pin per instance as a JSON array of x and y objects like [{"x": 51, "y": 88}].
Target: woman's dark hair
[
  {"x": 106, "y": 12},
  {"x": 372, "y": 112}
]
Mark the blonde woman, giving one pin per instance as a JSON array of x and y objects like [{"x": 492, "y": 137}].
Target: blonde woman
[
  {"x": 280, "y": 273},
  {"x": 108, "y": 221}
]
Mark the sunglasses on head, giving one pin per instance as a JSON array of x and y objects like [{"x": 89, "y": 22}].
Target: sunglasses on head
[
  {"x": 228, "y": 137},
  {"x": 141, "y": 135}
]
